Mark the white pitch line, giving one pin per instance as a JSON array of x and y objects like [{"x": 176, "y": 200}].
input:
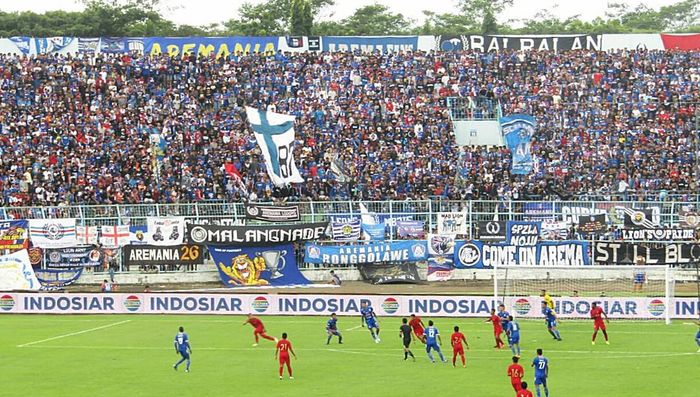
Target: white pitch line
[
  {"x": 74, "y": 333},
  {"x": 354, "y": 328}
]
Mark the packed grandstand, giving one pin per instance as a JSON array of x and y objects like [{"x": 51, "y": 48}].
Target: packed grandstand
[{"x": 75, "y": 128}]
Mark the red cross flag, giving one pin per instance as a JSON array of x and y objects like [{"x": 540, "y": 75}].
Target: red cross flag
[{"x": 115, "y": 236}]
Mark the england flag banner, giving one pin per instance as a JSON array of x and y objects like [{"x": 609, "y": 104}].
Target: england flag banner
[
  {"x": 115, "y": 236},
  {"x": 52, "y": 233},
  {"x": 86, "y": 235},
  {"x": 518, "y": 130},
  {"x": 275, "y": 135},
  {"x": 165, "y": 231}
]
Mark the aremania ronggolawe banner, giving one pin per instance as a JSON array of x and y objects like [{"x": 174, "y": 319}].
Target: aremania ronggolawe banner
[
  {"x": 658, "y": 234},
  {"x": 14, "y": 235},
  {"x": 257, "y": 266},
  {"x": 255, "y": 235},
  {"x": 186, "y": 254},
  {"x": 74, "y": 257},
  {"x": 492, "y": 43},
  {"x": 618, "y": 253},
  {"x": 479, "y": 255},
  {"x": 389, "y": 273},
  {"x": 375, "y": 252},
  {"x": 272, "y": 213},
  {"x": 344, "y": 305}
]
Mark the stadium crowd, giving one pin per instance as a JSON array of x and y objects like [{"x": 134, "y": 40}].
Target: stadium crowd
[{"x": 77, "y": 129}]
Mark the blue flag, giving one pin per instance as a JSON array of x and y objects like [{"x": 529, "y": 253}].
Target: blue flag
[
  {"x": 518, "y": 130},
  {"x": 257, "y": 266}
]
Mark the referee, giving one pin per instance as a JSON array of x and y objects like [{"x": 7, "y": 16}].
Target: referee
[{"x": 405, "y": 333}]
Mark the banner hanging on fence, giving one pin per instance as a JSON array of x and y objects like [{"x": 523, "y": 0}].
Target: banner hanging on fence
[
  {"x": 138, "y": 235},
  {"x": 618, "y": 253},
  {"x": 16, "y": 273},
  {"x": 518, "y": 131},
  {"x": 186, "y": 254},
  {"x": 58, "y": 278},
  {"x": 493, "y": 43},
  {"x": 348, "y": 230},
  {"x": 538, "y": 211},
  {"x": 115, "y": 236},
  {"x": 257, "y": 266},
  {"x": 375, "y": 231},
  {"x": 389, "y": 273},
  {"x": 639, "y": 218},
  {"x": 412, "y": 229},
  {"x": 52, "y": 233},
  {"x": 210, "y": 46},
  {"x": 479, "y": 255},
  {"x": 369, "y": 43},
  {"x": 74, "y": 257},
  {"x": 523, "y": 233},
  {"x": 440, "y": 268},
  {"x": 592, "y": 223},
  {"x": 658, "y": 234},
  {"x": 452, "y": 223},
  {"x": 272, "y": 213},
  {"x": 165, "y": 231},
  {"x": 492, "y": 231},
  {"x": 399, "y": 251},
  {"x": 86, "y": 235},
  {"x": 14, "y": 235},
  {"x": 255, "y": 235}
]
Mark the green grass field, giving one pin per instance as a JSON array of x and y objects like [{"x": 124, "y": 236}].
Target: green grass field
[{"x": 112, "y": 355}]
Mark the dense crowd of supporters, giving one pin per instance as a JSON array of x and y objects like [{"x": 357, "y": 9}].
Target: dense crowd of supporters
[{"x": 77, "y": 129}]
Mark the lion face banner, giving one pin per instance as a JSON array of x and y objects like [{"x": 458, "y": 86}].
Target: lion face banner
[{"x": 257, "y": 266}]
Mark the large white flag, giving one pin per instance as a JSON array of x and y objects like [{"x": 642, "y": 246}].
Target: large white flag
[
  {"x": 165, "y": 231},
  {"x": 16, "y": 272},
  {"x": 275, "y": 135},
  {"x": 52, "y": 233},
  {"x": 86, "y": 235},
  {"x": 115, "y": 236}
]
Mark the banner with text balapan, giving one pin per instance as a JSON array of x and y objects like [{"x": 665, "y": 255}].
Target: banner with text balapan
[{"x": 344, "y": 305}]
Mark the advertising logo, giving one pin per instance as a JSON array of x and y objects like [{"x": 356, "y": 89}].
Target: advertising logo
[
  {"x": 469, "y": 255},
  {"x": 521, "y": 306},
  {"x": 132, "y": 303},
  {"x": 260, "y": 304},
  {"x": 656, "y": 307},
  {"x": 7, "y": 302},
  {"x": 390, "y": 305}
]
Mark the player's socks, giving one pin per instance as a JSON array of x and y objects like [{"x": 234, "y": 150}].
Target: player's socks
[
  {"x": 553, "y": 334},
  {"x": 464, "y": 361},
  {"x": 405, "y": 356},
  {"x": 537, "y": 389},
  {"x": 340, "y": 338},
  {"x": 328, "y": 341},
  {"x": 546, "y": 392},
  {"x": 557, "y": 335},
  {"x": 442, "y": 358},
  {"x": 430, "y": 356}
]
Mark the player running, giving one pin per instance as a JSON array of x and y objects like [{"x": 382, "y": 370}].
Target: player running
[
  {"x": 516, "y": 373},
  {"x": 513, "y": 331},
  {"x": 332, "y": 329},
  {"x": 523, "y": 392},
  {"x": 597, "y": 315},
  {"x": 418, "y": 327},
  {"x": 551, "y": 321},
  {"x": 433, "y": 342},
  {"x": 283, "y": 348},
  {"x": 258, "y": 329},
  {"x": 541, "y": 365},
  {"x": 183, "y": 348},
  {"x": 369, "y": 317},
  {"x": 497, "y": 329},
  {"x": 545, "y": 297},
  {"x": 405, "y": 334},
  {"x": 457, "y": 348}
]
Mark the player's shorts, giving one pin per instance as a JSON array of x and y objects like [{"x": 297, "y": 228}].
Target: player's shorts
[
  {"x": 541, "y": 380},
  {"x": 419, "y": 333},
  {"x": 333, "y": 332},
  {"x": 514, "y": 338},
  {"x": 497, "y": 331},
  {"x": 406, "y": 343},
  {"x": 259, "y": 330},
  {"x": 459, "y": 351},
  {"x": 599, "y": 325},
  {"x": 517, "y": 384},
  {"x": 639, "y": 279},
  {"x": 432, "y": 346},
  {"x": 284, "y": 359},
  {"x": 184, "y": 354},
  {"x": 371, "y": 324},
  {"x": 551, "y": 324}
]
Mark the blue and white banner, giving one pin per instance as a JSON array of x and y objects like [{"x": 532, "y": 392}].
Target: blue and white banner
[
  {"x": 538, "y": 210},
  {"x": 138, "y": 235},
  {"x": 210, "y": 46},
  {"x": 440, "y": 268},
  {"x": 415, "y": 229},
  {"x": 400, "y": 251},
  {"x": 478, "y": 255},
  {"x": 522, "y": 233},
  {"x": 23, "y": 43},
  {"x": 375, "y": 231},
  {"x": 275, "y": 135},
  {"x": 452, "y": 223},
  {"x": 348, "y": 230},
  {"x": 89, "y": 45},
  {"x": 52, "y": 233},
  {"x": 58, "y": 278},
  {"x": 257, "y": 266},
  {"x": 47, "y": 45},
  {"x": 391, "y": 219},
  {"x": 74, "y": 257},
  {"x": 369, "y": 43},
  {"x": 518, "y": 131},
  {"x": 114, "y": 45},
  {"x": 16, "y": 273}
]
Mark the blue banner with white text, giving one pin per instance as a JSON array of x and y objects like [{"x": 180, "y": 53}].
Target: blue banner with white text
[
  {"x": 479, "y": 255},
  {"x": 210, "y": 46},
  {"x": 518, "y": 131},
  {"x": 369, "y": 43},
  {"x": 257, "y": 266},
  {"x": 523, "y": 233},
  {"x": 400, "y": 251}
]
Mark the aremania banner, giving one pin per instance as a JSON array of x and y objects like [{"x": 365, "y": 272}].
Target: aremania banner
[
  {"x": 16, "y": 274},
  {"x": 210, "y": 46},
  {"x": 343, "y": 305},
  {"x": 165, "y": 231},
  {"x": 186, "y": 254},
  {"x": 399, "y": 251},
  {"x": 257, "y": 266},
  {"x": 14, "y": 235},
  {"x": 369, "y": 43},
  {"x": 52, "y": 233},
  {"x": 275, "y": 135},
  {"x": 518, "y": 131},
  {"x": 255, "y": 235},
  {"x": 479, "y": 255}
]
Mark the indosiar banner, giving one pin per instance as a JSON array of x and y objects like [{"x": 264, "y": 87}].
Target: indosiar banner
[
  {"x": 375, "y": 252},
  {"x": 369, "y": 43},
  {"x": 210, "y": 46},
  {"x": 344, "y": 305},
  {"x": 257, "y": 266},
  {"x": 479, "y": 255}
]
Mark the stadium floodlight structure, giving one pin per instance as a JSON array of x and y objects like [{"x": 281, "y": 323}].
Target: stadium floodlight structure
[{"x": 588, "y": 282}]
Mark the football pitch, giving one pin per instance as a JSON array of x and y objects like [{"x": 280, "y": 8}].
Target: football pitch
[{"x": 132, "y": 355}]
